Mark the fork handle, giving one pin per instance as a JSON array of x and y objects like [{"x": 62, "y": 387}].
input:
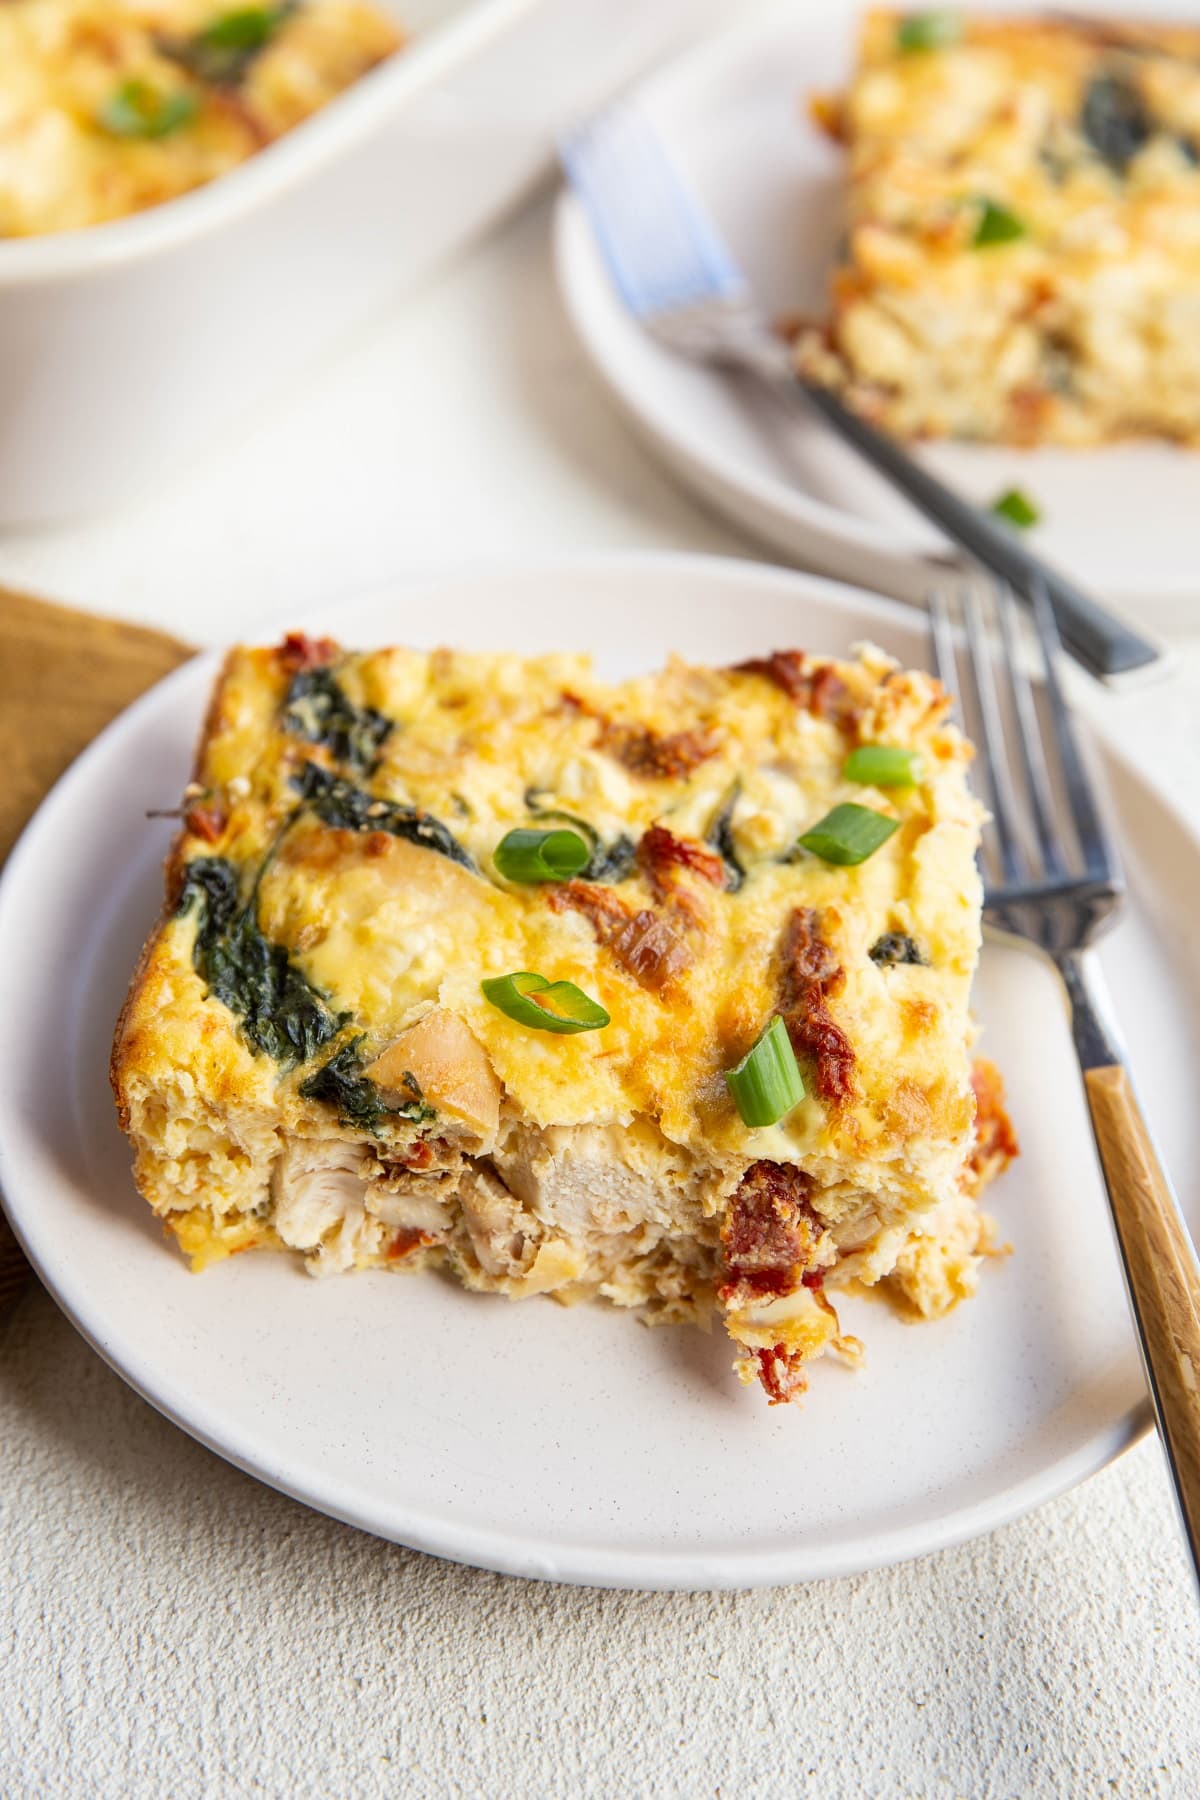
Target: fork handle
[
  {"x": 1102, "y": 643},
  {"x": 1161, "y": 1271}
]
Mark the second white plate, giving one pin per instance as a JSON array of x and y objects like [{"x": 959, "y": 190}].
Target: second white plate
[
  {"x": 734, "y": 114},
  {"x": 576, "y": 1445}
]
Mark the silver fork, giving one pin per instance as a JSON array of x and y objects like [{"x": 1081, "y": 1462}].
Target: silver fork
[
  {"x": 1051, "y": 878},
  {"x": 679, "y": 279}
]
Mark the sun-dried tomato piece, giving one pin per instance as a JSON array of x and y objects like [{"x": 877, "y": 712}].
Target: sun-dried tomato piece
[
  {"x": 769, "y": 1233},
  {"x": 643, "y": 942},
  {"x": 995, "y": 1140},
  {"x": 660, "y": 852},
  {"x": 668, "y": 758},
  {"x": 788, "y": 669},
  {"x": 299, "y": 651},
  {"x": 817, "y": 687},
  {"x": 659, "y": 756},
  {"x": 830, "y": 698},
  {"x": 605, "y": 910},
  {"x": 651, "y": 950},
  {"x": 405, "y": 1242},
  {"x": 811, "y": 975},
  {"x": 207, "y": 822},
  {"x": 781, "y": 1372}
]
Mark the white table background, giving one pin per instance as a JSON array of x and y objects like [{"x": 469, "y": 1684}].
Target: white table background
[{"x": 169, "y": 1627}]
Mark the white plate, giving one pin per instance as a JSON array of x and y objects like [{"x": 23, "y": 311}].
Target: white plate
[
  {"x": 575, "y": 1445},
  {"x": 734, "y": 113}
]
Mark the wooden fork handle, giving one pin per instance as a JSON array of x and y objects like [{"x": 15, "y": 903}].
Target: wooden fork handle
[{"x": 1162, "y": 1273}]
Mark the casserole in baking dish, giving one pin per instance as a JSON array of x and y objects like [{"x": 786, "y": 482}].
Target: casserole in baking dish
[
  {"x": 127, "y": 347},
  {"x": 111, "y": 106}
]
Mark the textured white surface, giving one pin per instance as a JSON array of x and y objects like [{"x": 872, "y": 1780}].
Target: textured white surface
[
  {"x": 169, "y": 1627},
  {"x": 177, "y": 1629}
]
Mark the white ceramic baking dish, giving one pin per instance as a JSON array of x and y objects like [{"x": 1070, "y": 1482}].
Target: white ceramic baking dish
[{"x": 125, "y": 349}]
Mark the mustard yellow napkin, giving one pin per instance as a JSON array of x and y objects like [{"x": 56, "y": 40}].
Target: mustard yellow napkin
[{"x": 63, "y": 676}]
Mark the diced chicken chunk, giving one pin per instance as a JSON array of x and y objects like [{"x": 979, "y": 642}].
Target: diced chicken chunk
[
  {"x": 314, "y": 1185},
  {"x": 451, "y": 1067}
]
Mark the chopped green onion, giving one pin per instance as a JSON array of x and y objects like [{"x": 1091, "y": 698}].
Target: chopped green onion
[
  {"x": 543, "y": 1005},
  {"x": 246, "y": 28},
  {"x": 1017, "y": 508},
  {"x": 996, "y": 225},
  {"x": 928, "y": 31},
  {"x": 882, "y": 765},
  {"x": 766, "y": 1084},
  {"x": 525, "y": 855},
  {"x": 586, "y": 831},
  {"x": 137, "y": 109},
  {"x": 849, "y": 834}
]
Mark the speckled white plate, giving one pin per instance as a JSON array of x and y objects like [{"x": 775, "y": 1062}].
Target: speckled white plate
[
  {"x": 734, "y": 113},
  {"x": 575, "y": 1445}
]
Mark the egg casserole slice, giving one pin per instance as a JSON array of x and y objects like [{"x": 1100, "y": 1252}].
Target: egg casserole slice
[
  {"x": 1023, "y": 253},
  {"x": 460, "y": 950},
  {"x": 111, "y": 106}
]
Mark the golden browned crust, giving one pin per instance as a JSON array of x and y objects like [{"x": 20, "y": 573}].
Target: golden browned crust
[
  {"x": 117, "y": 1055},
  {"x": 173, "y": 864}
]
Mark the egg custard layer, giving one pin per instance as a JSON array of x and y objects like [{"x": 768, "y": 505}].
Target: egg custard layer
[
  {"x": 111, "y": 106},
  {"x": 1023, "y": 255},
  {"x": 309, "y": 1060}
]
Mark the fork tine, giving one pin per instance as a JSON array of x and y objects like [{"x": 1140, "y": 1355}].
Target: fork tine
[
  {"x": 1029, "y": 730},
  {"x": 1099, "y": 861},
  {"x": 942, "y": 633},
  {"x": 1003, "y": 799}
]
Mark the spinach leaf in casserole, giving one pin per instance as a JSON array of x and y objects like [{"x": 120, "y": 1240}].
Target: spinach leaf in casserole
[
  {"x": 224, "y": 51},
  {"x": 607, "y": 862},
  {"x": 280, "y": 1011},
  {"x": 897, "y": 947},
  {"x": 341, "y": 1084},
  {"x": 720, "y": 837},
  {"x": 611, "y": 862},
  {"x": 1114, "y": 120},
  {"x": 318, "y": 709},
  {"x": 339, "y": 803}
]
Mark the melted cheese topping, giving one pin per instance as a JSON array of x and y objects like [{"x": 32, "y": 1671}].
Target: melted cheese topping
[
  {"x": 387, "y": 930},
  {"x": 64, "y": 62},
  {"x": 1086, "y": 325}
]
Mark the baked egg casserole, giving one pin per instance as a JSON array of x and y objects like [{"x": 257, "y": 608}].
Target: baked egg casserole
[
  {"x": 1023, "y": 253},
  {"x": 111, "y": 106},
  {"x": 655, "y": 993}
]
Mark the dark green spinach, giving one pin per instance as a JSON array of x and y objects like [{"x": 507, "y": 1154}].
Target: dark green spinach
[
  {"x": 318, "y": 709},
  {"x": 896, "y": 947},
  {"x": 339, "y": 803},
  {"x": 720, "y": 839},
  {"x": 607, "y": 862},
  {"x": 611, "y": 862},
  {"x": 340, "y": 1083},
  {"x": 280, "y": 1011},
  {"x": 223, "y": 52},
  {"x": 1115, "y": 121}
]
